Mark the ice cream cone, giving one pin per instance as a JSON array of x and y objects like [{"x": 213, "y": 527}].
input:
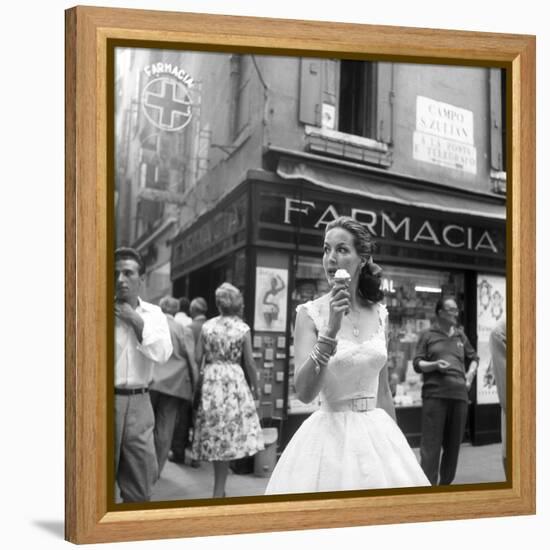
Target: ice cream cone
[{"x": 342, "y": 276}]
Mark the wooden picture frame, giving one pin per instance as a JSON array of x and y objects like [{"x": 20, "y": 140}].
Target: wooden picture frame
[{"x": 88, "y": 226}]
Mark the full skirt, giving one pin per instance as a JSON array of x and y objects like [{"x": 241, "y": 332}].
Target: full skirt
[
  {"x": 345, "y": 451},
  {"x": 226, "y": 426}
]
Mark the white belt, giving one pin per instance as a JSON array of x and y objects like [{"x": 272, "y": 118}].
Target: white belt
[{"x": 357, "y": 404}]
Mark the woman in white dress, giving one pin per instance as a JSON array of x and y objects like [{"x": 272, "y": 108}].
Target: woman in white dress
[{"x": 353, "y": 441}]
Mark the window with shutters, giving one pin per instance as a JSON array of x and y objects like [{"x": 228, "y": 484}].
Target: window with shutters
[
  {"x": 346, "y": 106},
  {"x": 357, "y": 101}
]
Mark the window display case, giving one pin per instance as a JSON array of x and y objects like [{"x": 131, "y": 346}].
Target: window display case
[
  {"x": 310, "y": 283},
  {"x": 411, "y": 297}
]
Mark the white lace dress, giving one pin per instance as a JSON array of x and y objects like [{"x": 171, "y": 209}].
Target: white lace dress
[{"x": 346, "y": 450}]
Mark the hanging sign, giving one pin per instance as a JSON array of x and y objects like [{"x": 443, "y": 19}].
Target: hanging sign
[{"x": 166, "y": 100}]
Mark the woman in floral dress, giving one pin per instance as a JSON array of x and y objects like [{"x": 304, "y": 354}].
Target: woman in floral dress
[{"x": 227, "y": 426}]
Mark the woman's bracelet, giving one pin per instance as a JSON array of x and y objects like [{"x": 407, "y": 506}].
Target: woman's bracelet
[
  {"x": 324, "y": 339},
  {"x": 319, "y": 358},
  {"x": 316, "y": 363},
  {"x": 329, "y": 342}
]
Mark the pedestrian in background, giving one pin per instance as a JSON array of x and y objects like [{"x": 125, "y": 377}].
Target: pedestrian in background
[
  {"x": 142, "y": 340},
  {"x": 182, "y": 317},
  {"x": 173, "y": 383},
  {"x": 227, "y": 426},
  {"x": 497, "y": 346},
  {"x": 198, "y": 309},
  {"x": 180, "y": 439},
  {"x": 448, "y": 364}
]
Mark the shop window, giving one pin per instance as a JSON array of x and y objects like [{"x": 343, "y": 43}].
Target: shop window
[
  {"x": 491, "y": 309},
  {"x": 411, "y": 296},
  {"x": 239, "y": 279},
  {"x": 309, "y": 283}
]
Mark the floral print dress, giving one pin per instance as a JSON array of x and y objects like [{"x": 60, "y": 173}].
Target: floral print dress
[{"x": 227, "y": 426}]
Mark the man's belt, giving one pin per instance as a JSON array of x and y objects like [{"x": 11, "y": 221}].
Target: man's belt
[{"x": 130, "y": 391}]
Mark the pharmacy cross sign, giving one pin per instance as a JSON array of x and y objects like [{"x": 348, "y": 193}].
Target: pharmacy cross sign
[{"x": 166, "y": 104}]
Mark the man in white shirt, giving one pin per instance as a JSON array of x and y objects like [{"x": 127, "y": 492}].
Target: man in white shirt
[{"x": 142, "y": 339}]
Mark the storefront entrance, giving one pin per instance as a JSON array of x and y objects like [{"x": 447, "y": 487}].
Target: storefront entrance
[{"x": 425, "y": 253}]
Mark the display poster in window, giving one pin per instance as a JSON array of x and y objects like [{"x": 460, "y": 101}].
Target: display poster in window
[
  {"x": 271, "y": 299},
  {"x": 491, "y": 308}
]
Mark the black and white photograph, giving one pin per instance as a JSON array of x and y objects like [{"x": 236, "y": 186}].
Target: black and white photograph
[
  {"x": 217, "y": 152},
  {"x": 310, "y": 275}
]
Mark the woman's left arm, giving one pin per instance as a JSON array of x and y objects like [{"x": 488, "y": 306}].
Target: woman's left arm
[{"x": 384, "y": 398}]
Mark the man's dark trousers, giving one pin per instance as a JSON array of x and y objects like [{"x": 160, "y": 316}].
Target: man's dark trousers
[
  {"x": 184, "y": 422},
  {"x": 443, "y": 424}
]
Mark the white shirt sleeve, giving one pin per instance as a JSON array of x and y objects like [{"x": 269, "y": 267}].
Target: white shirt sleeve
[{"x": 156, "y": 343}]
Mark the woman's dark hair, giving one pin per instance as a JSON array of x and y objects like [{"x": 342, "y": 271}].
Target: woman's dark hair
[{"x": 370, "y": 278}]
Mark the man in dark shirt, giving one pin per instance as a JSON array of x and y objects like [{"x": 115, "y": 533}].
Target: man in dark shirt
[{"x": 448, "y": 363}]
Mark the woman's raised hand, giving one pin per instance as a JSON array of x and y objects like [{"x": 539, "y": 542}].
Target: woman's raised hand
[{"x": 339, "y": 305}]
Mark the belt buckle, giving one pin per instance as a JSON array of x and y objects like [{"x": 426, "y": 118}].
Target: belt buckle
[{"x": 360, "y": 404}]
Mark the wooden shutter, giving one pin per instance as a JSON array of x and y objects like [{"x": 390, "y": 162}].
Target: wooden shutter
[
  {"x": 384, "y": 102},
  {"x": 329, "y": 88},
  {"x": 310, "y": 91},
  {"x": 496, "y": 119}
]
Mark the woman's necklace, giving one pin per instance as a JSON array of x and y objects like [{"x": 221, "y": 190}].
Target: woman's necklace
[{"x": 354, "y": 325}]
